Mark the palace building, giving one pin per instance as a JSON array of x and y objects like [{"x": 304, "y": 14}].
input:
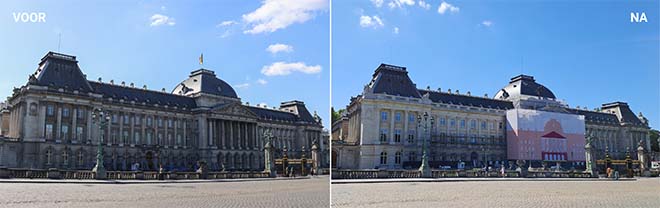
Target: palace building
[
  {"x": 47, "y": 123},
  {"x": 523, "y": 121}
]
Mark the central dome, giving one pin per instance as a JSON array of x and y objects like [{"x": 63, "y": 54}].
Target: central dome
[
  {"x": 524, "y": 85},
  {"x": 204, "y": 81}
]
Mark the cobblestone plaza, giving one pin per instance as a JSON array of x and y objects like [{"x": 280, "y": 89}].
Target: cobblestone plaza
[
  {"x": 306, "y": 193},
  {"x": 644, "y": 192}
]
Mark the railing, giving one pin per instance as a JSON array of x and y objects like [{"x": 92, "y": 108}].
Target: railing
[
  {"x": 372, "y": 174},
  {"x": 123, "y": 175}
]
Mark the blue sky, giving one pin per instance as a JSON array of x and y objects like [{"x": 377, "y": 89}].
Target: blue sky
[
  {"x": 587, "y": 52},
  {"x": 158, "y": 43}
]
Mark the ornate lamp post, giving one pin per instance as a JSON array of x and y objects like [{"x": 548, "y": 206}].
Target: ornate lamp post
[
  {"x": 424, "y": 169},
  {"x": 101, "y": 119}
]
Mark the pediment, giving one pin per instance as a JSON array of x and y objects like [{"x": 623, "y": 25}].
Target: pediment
[{"x": 234, "y": 109}]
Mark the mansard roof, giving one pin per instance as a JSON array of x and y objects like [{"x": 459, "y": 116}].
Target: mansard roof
[
  {"x": 596, "y": 117},
  {"x": 128, "y": 94},
  {"x": 627, "y": 115},
  {"x": 61, "y": 71},
  {"x": 393, "y": 80},
  {"x": 524, "y": 85},
  {"x": 272, "y": 114},
  {"x": 457, "y": 99},
  {"x": 204, "y": 81}
]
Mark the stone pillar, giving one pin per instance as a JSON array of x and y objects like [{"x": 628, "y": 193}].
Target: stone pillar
[
  {"x": 316, "y": 158},
  {"x": 121, "y": 129},
  {"x": 74, "y": 125},
  {"x": 210, "y": 139},
  {"x": 641, "y": 156},
  {"x": 131, "y": 134},
  {"x": 58, "y": 127},
  {"x": 185, "y": 135},
  {"x": 231, "y": 135}
]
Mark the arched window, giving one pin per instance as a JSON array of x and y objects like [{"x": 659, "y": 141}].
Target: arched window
[
  {"x": 397, "y": 158},
  {"x": 65, "y": 157},
  {"x": 383, "y": 158},
  {"x": 80, "y": 158}
]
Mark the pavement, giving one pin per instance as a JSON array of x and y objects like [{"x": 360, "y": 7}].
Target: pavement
[
  {"x": 642, "y": 192},
  {"x": 311, "y": 192}
]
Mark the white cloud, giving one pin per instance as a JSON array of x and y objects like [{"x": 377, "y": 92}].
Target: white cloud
[
  {"x": 444, "y": 7},
  {"x": 400, "y": 3},
  {"x": 423, "y": 4},
  {"x": 279, "y": 14},
  {"x": 276, "y": 48},
  {"x": 377, "y": 3},
  {"x": 396, "y": 30},
  {"x": 225, "y": 34},
  {"x": 487, "y": 23},
  {"x": 163, "y": 8},
  {"x": 262, "y": 81},
  {"x": 227, "y": 23},
  {"x": 159, "y": 19},
  {"x": 371, "y": 21},
  {"x": 283, "y": 68},
  {"x": 243, "y": 85}
]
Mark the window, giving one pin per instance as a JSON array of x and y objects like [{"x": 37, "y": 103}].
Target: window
[
  {"x": 462, "y": 123},
  {"x": 397, "y": 158},
  {"x": 114, "y": 118},
  {"x": 49, "y": 156},
  {"x": 411, "y": 136},
  {"x": 491, "y": 125},
  {"x": 442, "y": 122},
  {"x": 137, "y": 120},
  {"x": 397, "y": 135},
  {"x": 149, "y": 136},
  {"x": 80, "y": 158},
  {"x": 126, "y": 119},
  {"x": 65, "y": 132},
  {"x": 50, "y": 110},
  {"x": 149, "y": 121},
  {"x": 473, "y": 124},
  {"x": 397, "y": 116},
  {"x": 115, "y": 136},
  {"x": 65, "y": 112},
  {"x": 452, "y": 123},
  {"x": 411, "y": 117},
  {"x": 160, "y": 122},
  {"x": 169, "y": 139},
  {"x": 383, "y": 158},
  {"x": 136, "y": 138},
  {"x": 473, "y": 139},
  {"x": 49, "y": 131},
  {"x": 383, "y": 116},
  {"x": 412, "y": 156},
  {"x": 383, "y": 135},
  {"x": 483, "y": 125},
  {"x": 65, "y": 157},
  {"x": 125, "y": 136},
  {"x": 179, "y": 140},
  {"x": 169, "y": 123},
  {"x": 79, "y": 132},
  {"x": 500, "y": 125},
  {"x": 80, "y": 113},
  {"x": 160, "y": 138}
]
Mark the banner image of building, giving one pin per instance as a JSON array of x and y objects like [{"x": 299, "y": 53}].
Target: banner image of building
[{"x": 383, "y": 128}]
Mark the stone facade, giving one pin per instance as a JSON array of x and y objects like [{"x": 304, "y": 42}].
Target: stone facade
[
  {"x": 50, "y": 123},
  {"x": 382, "y": 129}
]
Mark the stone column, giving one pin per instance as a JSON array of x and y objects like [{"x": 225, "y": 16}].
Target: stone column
[
  {"x": 390, "y": 138},
  {"x": 185, "y": 135},
  {"x": 121, "y": 129},
  {"x": 176, "y": 136},
  {"x": 231, "y": 135},
  {"x": 211, "y": 135},
  {"x": 89, "y": 125},
  {"x": 154, "y": 123},
  {"x": 404, "y": 132},
  {"x": 131, "y": 134}
]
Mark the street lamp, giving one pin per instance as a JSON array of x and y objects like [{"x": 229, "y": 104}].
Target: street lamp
[
  {"x": 424, "y": 169},
  {"x": 101, "y": 120}
]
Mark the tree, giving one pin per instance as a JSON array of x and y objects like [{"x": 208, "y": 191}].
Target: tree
[
  {"x": 654, "y": 135},
  {"x": 336, "y": 115}
]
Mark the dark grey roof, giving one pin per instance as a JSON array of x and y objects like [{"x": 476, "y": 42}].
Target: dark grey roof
[
  {"x": 303, "y": 113},
  {"x": 524, "y": 85},
  {"x": 205, "y": 81},
  {"x": 268, "y": 114},
  {"x": 456, "y": 99},
  {"x": 393, "y": 80},
  {"x": 627, "y": 115},
  {"x": 596, "y": 117},
  {"x": 138, "y": 95},
  {"x": 60, "y": 71}
]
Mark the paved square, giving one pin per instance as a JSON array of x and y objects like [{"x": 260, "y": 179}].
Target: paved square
[
  {"x": 641, "y": 193},
  {"x": 305, "y": 193}
]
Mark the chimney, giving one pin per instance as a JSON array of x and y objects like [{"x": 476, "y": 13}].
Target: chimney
[
  {"x": 468, "y": 93},
  {"x": 486, "y": 95},
  {"x": 123, "y": 84},
  {"x": 449, "y": 90},
  {"x": 163, "y": 90},
  {"x": 112, "y": 81},
  {"x": 100, "y": 80},
  {"x": 132, "y": 85},
  {"x": 144, "y": 87},
  {"x": 457, "y": 92},
  {"x": 439, "y": 89}
]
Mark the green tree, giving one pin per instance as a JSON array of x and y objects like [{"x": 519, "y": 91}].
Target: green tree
[{"x": 336, "y": 115}]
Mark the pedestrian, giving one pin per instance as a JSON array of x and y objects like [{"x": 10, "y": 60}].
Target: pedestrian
[{"x": 502, "y": 170}]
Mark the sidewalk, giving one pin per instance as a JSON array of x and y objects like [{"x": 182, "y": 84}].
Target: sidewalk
[
  {"x": 414, "y": 180},
  {"x": 73, "y": 181}
]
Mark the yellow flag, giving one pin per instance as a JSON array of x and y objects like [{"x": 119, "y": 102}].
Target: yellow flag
[{"x": 201, "y": 59}]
